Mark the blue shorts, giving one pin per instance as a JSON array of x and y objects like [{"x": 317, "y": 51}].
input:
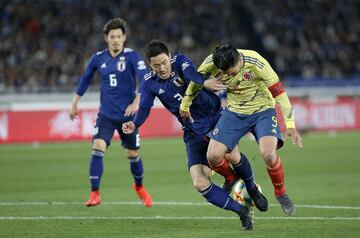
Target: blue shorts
[
  {"x": 196, "y": 148},
  {"x": 232, "y": 126},
  {"x": 104, "y": 129}
]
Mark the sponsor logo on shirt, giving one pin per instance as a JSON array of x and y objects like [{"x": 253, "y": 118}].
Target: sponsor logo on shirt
[{"x": 141, "y": 65}]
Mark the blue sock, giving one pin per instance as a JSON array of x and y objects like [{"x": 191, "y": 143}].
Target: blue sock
[
  {"x": 96, "y": 169},
  {"x": 218, "y": 197},
  {"x": 243, "y": 169},
  {"x": 137, "y": 170}
]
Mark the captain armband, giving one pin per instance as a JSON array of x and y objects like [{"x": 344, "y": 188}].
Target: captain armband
[{"x": 276, "y": 89}]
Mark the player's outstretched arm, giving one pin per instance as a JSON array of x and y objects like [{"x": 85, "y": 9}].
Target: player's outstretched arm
[
  {"x": 73, "y": 111},
  {"x": 128, "y": 127}
]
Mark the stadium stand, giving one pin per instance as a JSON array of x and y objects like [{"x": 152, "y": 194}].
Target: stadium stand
[{"x": 45, "y": 44}]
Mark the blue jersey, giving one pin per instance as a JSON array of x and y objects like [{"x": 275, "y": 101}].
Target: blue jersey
[
  {"x": 205, "y": 109},
  {"x": 118, "y": 80}
]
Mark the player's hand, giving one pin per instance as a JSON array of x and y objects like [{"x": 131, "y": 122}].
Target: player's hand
[
  {"x": 131, "y": 109},
  {"x": 214, "y": 84},
  {"x": 295, "y": 136},
  {"x": 185, "y": 115},
  {"x": 128, "y": 127},
  {"x": 73, "y": 112}
]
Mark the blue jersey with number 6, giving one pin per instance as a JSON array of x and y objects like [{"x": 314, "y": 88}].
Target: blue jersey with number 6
[{"x": 118, "y": 80}]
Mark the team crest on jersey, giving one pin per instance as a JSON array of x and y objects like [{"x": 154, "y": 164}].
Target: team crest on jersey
[
  {"x": 121, "y": 65},
  {"x": 246, "y": 76},
  {"x": 178, "y": 81}
]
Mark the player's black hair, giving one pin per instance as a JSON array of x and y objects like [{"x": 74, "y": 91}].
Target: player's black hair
[
  {"x": 225, "y": 57},
  {"x": 155, "y": 48},
  {"x": 115, "y": 23}
]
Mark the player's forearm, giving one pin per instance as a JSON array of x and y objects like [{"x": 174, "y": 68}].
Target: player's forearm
[
  {"x": 76, "y": 99},
  {"x": 141, "y": 116},
  {"x": 191, "y": 93},
  {"x": 286, "y": 110},
  {"x": 137, "y": 99}
]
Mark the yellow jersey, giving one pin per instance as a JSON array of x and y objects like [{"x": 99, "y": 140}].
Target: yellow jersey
[{"x": 254, "y": 89}]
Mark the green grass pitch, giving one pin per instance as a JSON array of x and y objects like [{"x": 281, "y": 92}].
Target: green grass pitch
[{"x": 43, "y": 188}]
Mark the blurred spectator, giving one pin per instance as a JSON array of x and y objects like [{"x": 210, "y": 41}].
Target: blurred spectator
[
  {"x": 45, "y": 43},
  {"x": 309, "y": 38}
]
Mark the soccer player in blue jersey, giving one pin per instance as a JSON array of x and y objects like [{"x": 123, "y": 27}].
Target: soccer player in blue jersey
[
  {"x": 168, "y": 81},
  {"x": 117, "y": 67}
]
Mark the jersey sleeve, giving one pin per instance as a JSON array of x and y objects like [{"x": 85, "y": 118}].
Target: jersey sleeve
[
  {"x": 141, "y": 116},
  {"x": 265, "y": 71},
  {"x": 146, "y": 102},
  {"x": 87, "y": 76},
  {"x": 271, "y": 80},
  {"x": 139, "y": 66},
  {"x": 191, "y": 93},
  {"x": 189, "y": 70},
  {"x": 147, "y": 97},
  {"x": 206, "y": 69}
]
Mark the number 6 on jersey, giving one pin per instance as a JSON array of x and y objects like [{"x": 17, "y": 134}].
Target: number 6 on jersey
[{"x": 113, "y": 80}]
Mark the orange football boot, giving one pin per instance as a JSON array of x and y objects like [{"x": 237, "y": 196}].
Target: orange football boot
[
  {"x": 94, "y": 199},
  {"x": 144, "y": 195}
]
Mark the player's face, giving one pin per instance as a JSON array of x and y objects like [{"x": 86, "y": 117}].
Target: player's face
[
  {"x": 115, "y": 40},
  {"x": 233, "y": 71},
  {"x": 161, "y": 65}
]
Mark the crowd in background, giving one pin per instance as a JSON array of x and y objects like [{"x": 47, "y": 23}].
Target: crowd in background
[
  {"x": 309, "y": 38},
  {"x": 45, "y": 45}
]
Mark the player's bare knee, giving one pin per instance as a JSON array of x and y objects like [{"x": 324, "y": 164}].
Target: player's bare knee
[
  {"x": 233, "y": 157},
  {"x": 269, "y": 158},
  {"x": 133, "y": 153},
  {"x": 99, "y": 145},
  {"x": 214, "y": 157}
]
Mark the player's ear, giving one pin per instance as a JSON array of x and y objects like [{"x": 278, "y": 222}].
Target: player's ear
[
  {"x": 124, "y": 37},
  {"x": 105, "y": 38}
]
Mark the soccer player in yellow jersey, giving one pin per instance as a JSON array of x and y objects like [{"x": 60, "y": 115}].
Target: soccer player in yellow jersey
[{"x": 252, "y": 89}]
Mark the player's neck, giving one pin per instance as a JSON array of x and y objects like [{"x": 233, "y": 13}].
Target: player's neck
[{"x": 115, "y": 53}]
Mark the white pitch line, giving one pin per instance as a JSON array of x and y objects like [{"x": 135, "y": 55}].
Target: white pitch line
[
  {"x": 163, "y": 203},
  {"x": 171, "y": 218}
]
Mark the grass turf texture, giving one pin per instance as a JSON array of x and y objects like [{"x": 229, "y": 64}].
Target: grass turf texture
[{"x": 43, "y": 187}]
